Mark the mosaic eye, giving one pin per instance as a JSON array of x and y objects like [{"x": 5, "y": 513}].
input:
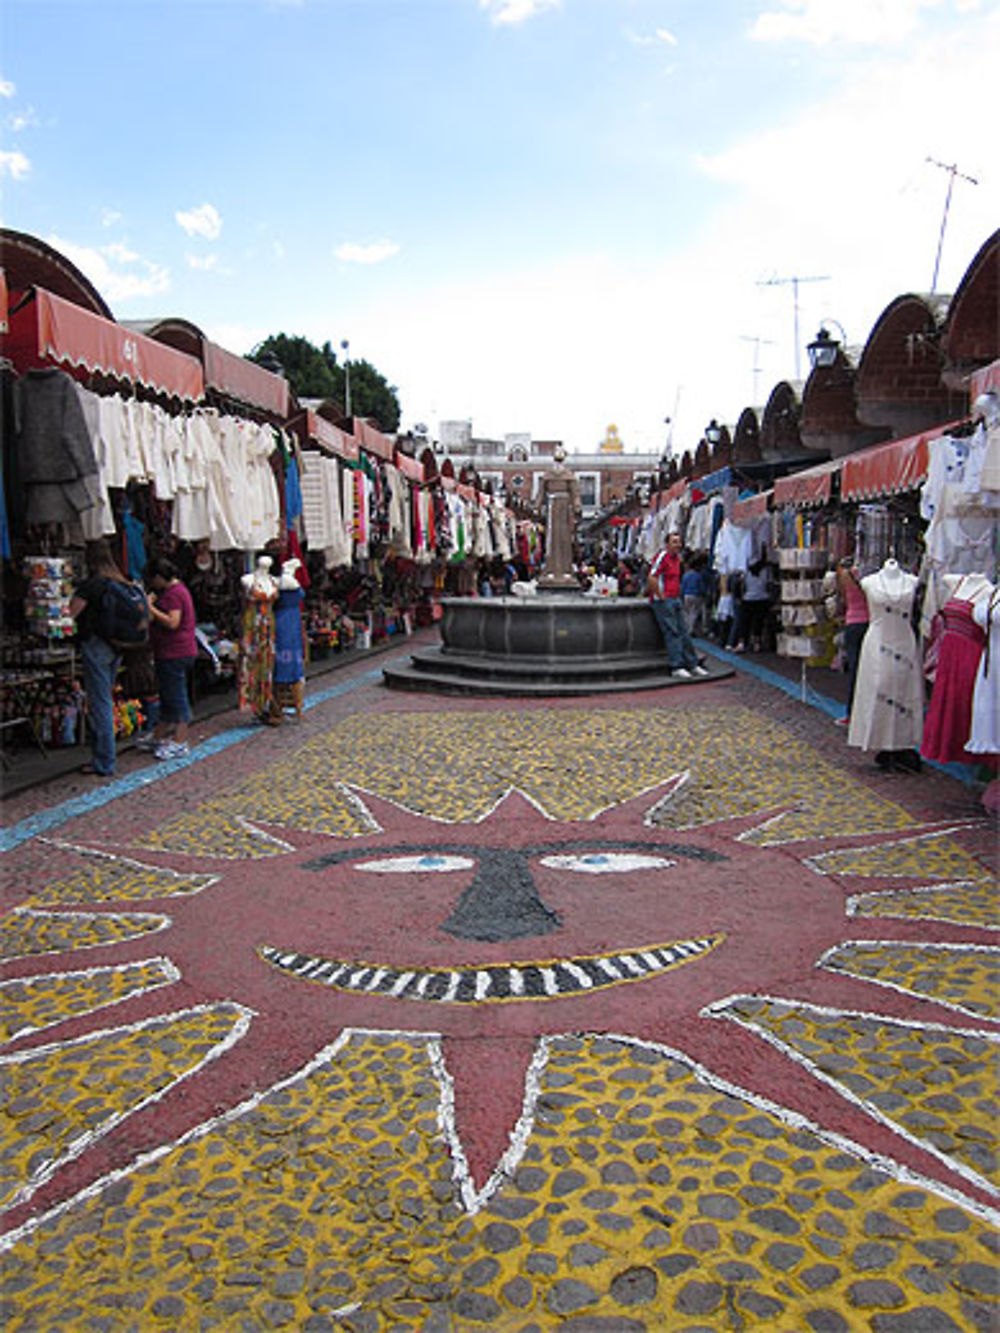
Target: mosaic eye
[
  {"x": 607, "y": 863},
  {"x": 409, "y": 865}
]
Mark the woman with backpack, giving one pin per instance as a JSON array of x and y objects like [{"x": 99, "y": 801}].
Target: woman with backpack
[
  {"x": 171, "y": 632},
  {"x": 94, "y": 607}
]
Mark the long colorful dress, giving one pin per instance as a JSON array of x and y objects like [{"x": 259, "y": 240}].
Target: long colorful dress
[
  {"x": 256, "y": 673},
  {"x": 949, "y": 717}
]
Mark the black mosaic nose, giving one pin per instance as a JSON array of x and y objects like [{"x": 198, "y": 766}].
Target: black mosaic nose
[{"x": 502, "y": 902}]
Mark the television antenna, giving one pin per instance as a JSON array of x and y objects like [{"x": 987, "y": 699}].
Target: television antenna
[
  {"x": 794, "y": 281},
  {"x": 758, "y": 343},
  {"x": 952, "y": 171}
]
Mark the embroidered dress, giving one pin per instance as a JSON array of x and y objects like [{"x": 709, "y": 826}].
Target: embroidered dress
[
  {"x": 949, "y": 717},
  {"x": 984, "y": 735},
  {"x": 887, "y": 713},
  {"x": 289, "y": 663},
  {"x": 254, "y": 683}
]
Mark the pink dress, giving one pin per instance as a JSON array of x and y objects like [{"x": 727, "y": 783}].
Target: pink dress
[{"x": 949, "y": 718}]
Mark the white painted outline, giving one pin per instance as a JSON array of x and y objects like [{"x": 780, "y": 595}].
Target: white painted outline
[
  {"x": 410, "y": 864},
  {"x": 169, "y": 973},
  {"x": 825, "y": 961},
  {"x": 925, "y": 836},
  {"x": 717, "y": 1010},
  {"x": 472, "y": 1198},
  {"x": 162, "y": 871},
  {"x": 76, "y": 1147},
  {"x": 163, "y": 923},
  {"x": 856, "y": 903}
]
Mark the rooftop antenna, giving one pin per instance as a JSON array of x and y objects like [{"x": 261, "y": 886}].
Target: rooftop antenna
[
  {"x": 794, "y": 281},
  {"x": 757, "y": 344},
  {"x": 952, "y": 171}
]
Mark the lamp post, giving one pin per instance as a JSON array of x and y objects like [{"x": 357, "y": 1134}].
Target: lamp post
[
  {"x": 713, "y": 432},
  {"x": 345, "y": 347}
]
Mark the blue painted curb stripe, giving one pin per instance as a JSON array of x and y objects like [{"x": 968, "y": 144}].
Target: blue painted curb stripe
[{"x": 47, "y": 820}]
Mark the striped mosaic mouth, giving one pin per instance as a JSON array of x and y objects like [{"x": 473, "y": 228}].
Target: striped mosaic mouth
[{"x": 503, "y": 981}]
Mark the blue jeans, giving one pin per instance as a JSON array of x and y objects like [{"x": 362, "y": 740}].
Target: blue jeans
[
  {"x": 669, "y": 614},
  {"x": 100, "y": 667},
  {"x": 172, "y": 674}
]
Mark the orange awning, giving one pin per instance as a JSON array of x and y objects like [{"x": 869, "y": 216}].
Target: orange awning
[
  {"x": 48, "y": 329},
  {"x": 309, "y": 425},
  {"x": 752, "y": 508},
  {"x": 372, "y": 440},
  {"x": 811, "y": 486},
  {"x": 887, "y": 469},
  {"x": 410, "y": 467},
  {"x": 982, "y": 381},
  {"x": 244, "y": 380}
]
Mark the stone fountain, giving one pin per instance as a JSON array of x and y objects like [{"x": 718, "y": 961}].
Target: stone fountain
[{"x": 558, "y": 640}]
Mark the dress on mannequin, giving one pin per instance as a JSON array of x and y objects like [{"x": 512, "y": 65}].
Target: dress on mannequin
[
  {"x": 984, "y": 734},
  {"x": 949, "y": 717},
  {"x": 289, "y": 647},
  {"x": 887, "y": 713},
  {"x": 260, "y": 591}
]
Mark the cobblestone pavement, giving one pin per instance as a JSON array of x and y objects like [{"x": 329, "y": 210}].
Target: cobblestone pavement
[{"x": 657, "y": 1013}]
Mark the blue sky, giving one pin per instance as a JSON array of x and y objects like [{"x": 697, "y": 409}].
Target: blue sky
[{"x": 543, "y": 215}]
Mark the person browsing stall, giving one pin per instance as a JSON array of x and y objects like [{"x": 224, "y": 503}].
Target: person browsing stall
[{"x": 171, "y": 632}]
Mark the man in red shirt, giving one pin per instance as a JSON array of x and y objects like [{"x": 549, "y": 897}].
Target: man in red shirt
[{"x": 663, "y": 586}]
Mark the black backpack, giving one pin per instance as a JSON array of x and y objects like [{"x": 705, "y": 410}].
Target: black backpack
[{"x": 123, "y": 614}]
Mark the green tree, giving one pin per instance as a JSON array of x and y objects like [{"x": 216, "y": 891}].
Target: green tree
[{"x": 315, "y": 372}]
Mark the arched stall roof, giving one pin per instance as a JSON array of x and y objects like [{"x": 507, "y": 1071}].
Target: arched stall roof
[
  {"x": 46, "y": 329},
  {"x": 30, "y": 262},
  {"x": 746, "y": 440},
  {"x": 829, "y": 421},
  {"x": 899, "y": 382},
  {"x": 230, "y": 376},
  {"x": 972, "y": 331},
  {"x": 779, "y": 428}
]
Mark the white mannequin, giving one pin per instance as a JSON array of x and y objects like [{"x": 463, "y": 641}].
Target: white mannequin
[
  {"x": 260, "y": 582},
  {"x": 887, "y": 712},
  {"x": 288, "y": 582},
  {"x": 974, "y": 588}
]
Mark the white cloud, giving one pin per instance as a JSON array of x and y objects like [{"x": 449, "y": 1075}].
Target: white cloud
[
  {"x": 116, "y": 272},
  {"x": 109, "y": 216},
  {"x": 504, "y": 12},
  {"x": 22, "y": 120},
  {"x": 15, "y": 165},
  {"x": 7, "y": 89},
  {"x": 351, "y": 253},
  {"x": 661, "y": 36},
  {"x": 818, "y": 22},
  {"x": 202, "y": 221},
  {"x": 205, "y": 264}
]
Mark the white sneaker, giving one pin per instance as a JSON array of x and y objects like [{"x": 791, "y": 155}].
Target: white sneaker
[
  {"x": 700, "y": 671},
  {"x": 148, "y": 744},
  {"x": 681, "y": 673},
  {"x": 171, "y": 750}
]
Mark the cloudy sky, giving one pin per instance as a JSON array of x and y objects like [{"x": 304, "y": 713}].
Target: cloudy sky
[{"x": 543, "y": 215}]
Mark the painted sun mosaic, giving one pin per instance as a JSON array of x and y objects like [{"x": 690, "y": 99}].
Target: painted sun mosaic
[{"x": 509, "y": 1021}]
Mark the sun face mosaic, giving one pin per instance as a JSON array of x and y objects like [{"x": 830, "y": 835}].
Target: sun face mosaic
[{"x": 494, "y": 1020}]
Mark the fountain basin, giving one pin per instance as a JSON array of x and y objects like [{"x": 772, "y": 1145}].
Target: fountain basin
[{"x": 556, "y": 644}]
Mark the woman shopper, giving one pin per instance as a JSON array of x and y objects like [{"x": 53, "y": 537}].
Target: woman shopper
[
  {"x": 171, "y": 632},
  {"x": 100, "y": 657}
]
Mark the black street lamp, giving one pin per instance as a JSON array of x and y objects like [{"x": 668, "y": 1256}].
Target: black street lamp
[{"x": 823, "y": 350}]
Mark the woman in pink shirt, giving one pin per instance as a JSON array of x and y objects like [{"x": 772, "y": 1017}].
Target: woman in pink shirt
[
  {"x": 171, "y": 633},
  {"x": 855, "y": 625}
]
